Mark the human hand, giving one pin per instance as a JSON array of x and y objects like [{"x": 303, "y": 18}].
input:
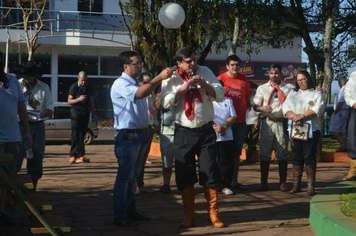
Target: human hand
[
  {"x": 256, "y": 124},
  {"x": 223, "y": 133},
  {"x": 28, "y": 141},
  {"x": 166, "y": 73},
  {"x": 267, "y": 108},
  {"x": 82, "y": 98},
  {"x": 297, "y": 117}
]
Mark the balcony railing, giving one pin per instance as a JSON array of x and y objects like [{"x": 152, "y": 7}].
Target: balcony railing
[{"x": 66, "y": 20}]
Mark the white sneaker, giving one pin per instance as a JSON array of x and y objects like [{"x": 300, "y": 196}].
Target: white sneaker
[{"x": 227, "y": 191}]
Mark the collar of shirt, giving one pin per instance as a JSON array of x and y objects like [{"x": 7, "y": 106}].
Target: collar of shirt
[
  {"x": 281, "y": 85},
  {"x": 129, "y": 78}
]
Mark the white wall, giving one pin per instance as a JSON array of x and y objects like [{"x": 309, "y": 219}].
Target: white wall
[
  {"x": 111, "y": 6},
  {"x": 64, "y": 5}
]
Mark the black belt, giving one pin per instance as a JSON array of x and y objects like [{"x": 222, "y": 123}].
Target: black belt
[
  {"x": 199, "y": 129},
  {"x": 130, "y": 131},
  {"x": 31, "y": 122}
]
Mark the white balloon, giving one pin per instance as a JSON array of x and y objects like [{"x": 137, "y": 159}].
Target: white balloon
[{"x": 171, "y": 15}]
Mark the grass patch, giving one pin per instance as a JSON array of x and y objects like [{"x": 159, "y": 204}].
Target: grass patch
[{"x": 348, "y": 203}]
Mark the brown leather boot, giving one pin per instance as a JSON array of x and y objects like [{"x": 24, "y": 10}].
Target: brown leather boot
[
  {"x": 310, "y": 170},
  {"x": 282, "y": 166},
  {"x": 264, "y": 165},
  {"x": 211, "y": 196},
  {"x": 352, "y": 172},
  {"x": 297, "y": 178},
  {"x": 188, "y": 203}
]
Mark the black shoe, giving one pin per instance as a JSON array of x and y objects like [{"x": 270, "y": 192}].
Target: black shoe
[
  {"x": 137, "y": 216},
  {"x": 124, "y": 222},
  {"x": 165, "y": 189},
  {"x": 239, "y": 187},
  {"x": 5, "y": 219}
]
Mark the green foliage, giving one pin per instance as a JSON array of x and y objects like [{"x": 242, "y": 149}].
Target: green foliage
[
  {"x": 203, "y": 25},
  {"x": 348, "y": 203}
]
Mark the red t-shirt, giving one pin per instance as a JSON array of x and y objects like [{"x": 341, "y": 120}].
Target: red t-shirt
[{"x": 237, "y": 90}]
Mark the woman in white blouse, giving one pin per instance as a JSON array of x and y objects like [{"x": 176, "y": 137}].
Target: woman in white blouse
[
  {"x": 350, "y": 99},
  {"x": 303, "y": 104}
]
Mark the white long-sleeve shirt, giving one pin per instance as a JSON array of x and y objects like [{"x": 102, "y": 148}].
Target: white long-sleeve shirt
[
  {"x": 203, "y": 112},
  {"x": 301, "y": 101},
  {"x": 350, "y": 90}
]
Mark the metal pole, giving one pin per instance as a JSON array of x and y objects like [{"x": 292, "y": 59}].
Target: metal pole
[
  {"x": 170, "y": 46},
  {"x": 7, "y": 56}
]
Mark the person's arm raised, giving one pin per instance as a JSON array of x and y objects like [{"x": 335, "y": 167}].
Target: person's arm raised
[{"x": 148, "y": 88}]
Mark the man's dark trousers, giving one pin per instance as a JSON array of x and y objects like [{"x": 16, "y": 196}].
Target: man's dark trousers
[{"x": 80, "y": 123}]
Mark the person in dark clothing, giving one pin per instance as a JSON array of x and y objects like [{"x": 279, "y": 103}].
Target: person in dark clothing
[{"x": 80, "y": 97}]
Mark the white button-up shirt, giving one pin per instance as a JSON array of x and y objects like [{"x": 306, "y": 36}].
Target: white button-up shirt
[
  {"x": 262, "y": 95},
  {"x": 203, "y": 112},
  {"x": 350, "y": 90},
  {"x": 41, "y": 94},
  {"x": 301, "y": 101}
]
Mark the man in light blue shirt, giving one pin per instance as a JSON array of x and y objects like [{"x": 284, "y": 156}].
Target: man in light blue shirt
[
  {"x": 130, "y": 121},
  {"x": 12, "y": 103}
]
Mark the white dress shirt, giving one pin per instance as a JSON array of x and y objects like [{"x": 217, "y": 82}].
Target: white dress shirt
[
  {"x": 301, "y": 101},
  {"x": 350, "y": 90},
  {"x": 262, "y": 94},
  {"x": 203, "y": 112}
]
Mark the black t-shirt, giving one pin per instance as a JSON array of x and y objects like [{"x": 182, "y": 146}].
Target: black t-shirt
[{"x": 76, "y": 91}]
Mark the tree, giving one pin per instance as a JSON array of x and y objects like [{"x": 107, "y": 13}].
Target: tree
[
  {"x": 29, "y": 9},
  {"x": 320, "y": 24},
  {"x": 205, "y": 26},
  {"x": 255, "y": 25}
]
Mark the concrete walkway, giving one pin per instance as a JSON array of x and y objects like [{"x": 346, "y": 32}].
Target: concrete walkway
[{"x": 82, "y": 194}]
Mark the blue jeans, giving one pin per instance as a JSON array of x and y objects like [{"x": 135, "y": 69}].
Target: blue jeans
[
  {"x": 129, "y": 151},
  {"x": 35, "y": 165}
]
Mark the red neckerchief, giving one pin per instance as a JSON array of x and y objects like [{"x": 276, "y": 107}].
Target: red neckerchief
[
  {"x": 281, "y": 95},
  {"x": 189, "y": 98}
]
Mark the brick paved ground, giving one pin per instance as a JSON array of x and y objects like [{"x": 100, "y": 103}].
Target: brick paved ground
[{"x": 82, "y": 194}]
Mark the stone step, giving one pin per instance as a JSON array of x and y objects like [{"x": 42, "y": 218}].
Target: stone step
[{"x": 56, "y": 221}]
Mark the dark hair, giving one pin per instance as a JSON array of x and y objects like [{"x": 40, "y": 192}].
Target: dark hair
[
  {"x": 311, "y": 83},
  {"x": 222, "y": 83},
  {"x": 232, "y": 58},
  {"x": 124, "y": 57},
  {"x": 183, "y": 53},
  {"x": 143, "y": 75},
  {"x": 275, "y": 65}
]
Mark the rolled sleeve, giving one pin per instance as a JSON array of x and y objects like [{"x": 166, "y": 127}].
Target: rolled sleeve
[
  {"x": 286, "y": 107},
  {"x": 219, "y": 92},
  {"x": 258, "y": 99},
  {"x": 319, "y": 105}
]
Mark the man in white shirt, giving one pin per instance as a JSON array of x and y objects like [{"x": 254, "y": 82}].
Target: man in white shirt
[
  {"x": 350, "y": 99},
  {"x": 190, "y": 94},
  {"x": 339, "y": 118},
  {"x": 268, "y": 100},
  {"x": 38, "y": 100}
]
